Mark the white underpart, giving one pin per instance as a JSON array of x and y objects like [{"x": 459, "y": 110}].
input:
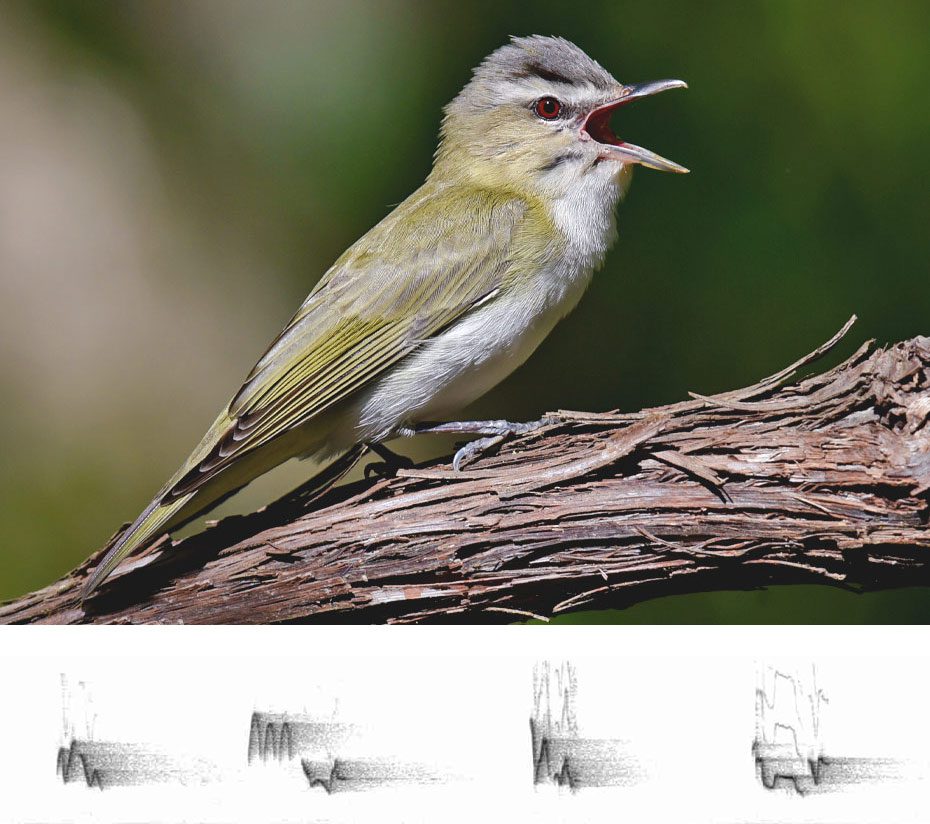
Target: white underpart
[
  {"x": 584, "y": 208},
  {"x": 458, "y": 366}
]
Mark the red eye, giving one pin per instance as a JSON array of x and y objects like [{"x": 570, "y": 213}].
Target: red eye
[{"x": 548, "y": 108}]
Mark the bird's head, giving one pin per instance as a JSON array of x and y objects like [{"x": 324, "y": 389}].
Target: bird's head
[{"x": 537, "y": 114}]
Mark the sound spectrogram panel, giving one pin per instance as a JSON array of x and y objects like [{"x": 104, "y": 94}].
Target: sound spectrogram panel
[{"x": 408, "y": 736}]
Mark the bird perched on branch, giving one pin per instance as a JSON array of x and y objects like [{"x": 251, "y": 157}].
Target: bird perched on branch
[{"x": 444, "y": 297}]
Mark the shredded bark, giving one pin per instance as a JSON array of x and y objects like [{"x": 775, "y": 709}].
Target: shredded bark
[{"x": 821, "y": 480}]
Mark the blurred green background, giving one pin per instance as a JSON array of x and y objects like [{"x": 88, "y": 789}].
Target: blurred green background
[{"x": 175, "y": 176}]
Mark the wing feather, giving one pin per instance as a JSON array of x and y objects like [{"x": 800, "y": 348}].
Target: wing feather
[{"x": 422, "y": 268}]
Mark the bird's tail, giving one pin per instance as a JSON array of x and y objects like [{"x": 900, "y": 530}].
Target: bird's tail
[
  {"x": 167, "y": 512},
  {"x": 157, "y": 517}
]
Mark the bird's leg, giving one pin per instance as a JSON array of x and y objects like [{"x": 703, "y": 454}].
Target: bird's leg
[
  {"x": 390, "y": 461},
  {"x": 493, "y": 432}
]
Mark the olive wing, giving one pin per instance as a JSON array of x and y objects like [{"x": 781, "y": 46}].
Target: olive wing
[{"x": 424, "y": 267}]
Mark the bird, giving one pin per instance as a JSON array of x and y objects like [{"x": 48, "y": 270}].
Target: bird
[{"x": 442, "y": 299}]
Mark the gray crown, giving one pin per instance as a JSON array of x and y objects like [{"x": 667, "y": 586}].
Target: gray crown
[{"x": 549, "y": 58}]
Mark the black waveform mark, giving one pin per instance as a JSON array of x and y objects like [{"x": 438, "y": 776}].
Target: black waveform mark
[
  {"x": 796, "y": 715},
  {"x": 543, "y": 770},
  {"x": 329, "y": 782},
  {"x": 68, "y": 758},
  {"x": 576, "y": 762},
  {"x": 320, "y": 749},
  {"x": 789, "y": 749},
  {"x": 282, "y": 737},
  {"x": 357, "y": 774},
  {"x": 775, "y": 772},
  {"x": 270, "y": 739},
  {"x": 825, "y": 774},
  {"x": 105, "y": 764},
  {"x": 561, "y": 755}
]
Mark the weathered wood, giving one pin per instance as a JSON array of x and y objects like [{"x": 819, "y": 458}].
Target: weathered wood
[{"x": 822, "y": 480}]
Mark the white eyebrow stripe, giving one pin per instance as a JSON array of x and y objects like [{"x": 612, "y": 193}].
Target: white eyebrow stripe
[{"x": 524, "y": 91}]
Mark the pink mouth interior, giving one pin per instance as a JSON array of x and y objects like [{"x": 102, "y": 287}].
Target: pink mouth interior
[{"x": 598, "y": 125}]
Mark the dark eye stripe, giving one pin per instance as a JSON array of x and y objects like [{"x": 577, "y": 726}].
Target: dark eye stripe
[
  {"x": 542, "y": 72},
  {"x": 558, "y": 160}
]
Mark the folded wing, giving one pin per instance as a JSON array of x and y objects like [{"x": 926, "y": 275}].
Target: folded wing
[{"x": 418, "y": 271}]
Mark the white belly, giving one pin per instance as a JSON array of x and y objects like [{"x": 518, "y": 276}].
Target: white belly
[{"x": 458, "y": 366}]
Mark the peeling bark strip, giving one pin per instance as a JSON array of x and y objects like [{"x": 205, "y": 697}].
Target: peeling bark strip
[{"x": 826, "y": 480}]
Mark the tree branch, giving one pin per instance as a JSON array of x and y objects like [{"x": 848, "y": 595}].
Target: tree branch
[{"x": 824, "y": 480}]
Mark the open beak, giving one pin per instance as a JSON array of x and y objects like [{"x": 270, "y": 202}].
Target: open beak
[{"x": 597, "y": 127}]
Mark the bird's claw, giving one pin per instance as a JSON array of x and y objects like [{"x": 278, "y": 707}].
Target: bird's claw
[
  {"x": 495, "y": 433},
  {"x": 475, "y": 448}
]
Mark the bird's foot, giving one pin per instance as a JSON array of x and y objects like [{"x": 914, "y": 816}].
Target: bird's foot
[
  {"x": 389, "y": 464},
  {"x": 494, "y": 433}
]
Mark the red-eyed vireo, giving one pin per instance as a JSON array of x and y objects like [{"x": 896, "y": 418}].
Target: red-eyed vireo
[{"x": 444, "y": 297}]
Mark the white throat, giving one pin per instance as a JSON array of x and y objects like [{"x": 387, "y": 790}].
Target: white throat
[
  {"x": 474, "y": 354},
  {"x": 585, "y": 213}
]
